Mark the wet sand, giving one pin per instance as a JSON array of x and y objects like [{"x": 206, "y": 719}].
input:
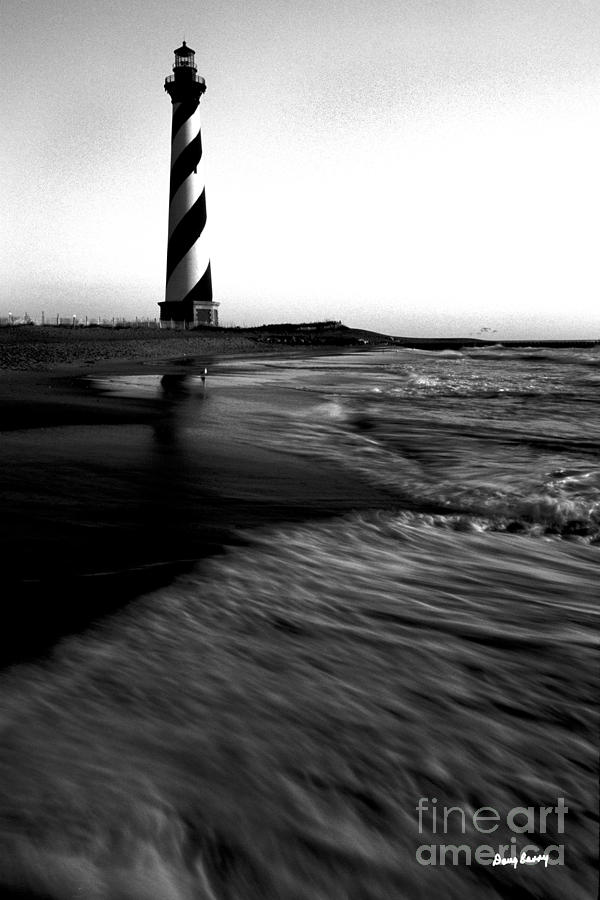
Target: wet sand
[{"x": 108, "y": 496}]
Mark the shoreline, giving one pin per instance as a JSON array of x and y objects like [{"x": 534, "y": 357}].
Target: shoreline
[
  {"x": 60, "y": 535},
  {"x": 109, "y": 498},
  {"x": 53, "y": 348}
]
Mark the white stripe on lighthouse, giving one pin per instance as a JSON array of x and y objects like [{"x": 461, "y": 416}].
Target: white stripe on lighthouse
[
  {"x": 186, "y": 196},
  {"x": 188, "y": 131},
  {"x": 189, "y": 271}
]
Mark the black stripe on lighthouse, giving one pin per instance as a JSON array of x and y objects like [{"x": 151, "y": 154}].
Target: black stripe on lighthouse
[
  {"x": 181, "y": 114},
  {"x": 186, "y": 163},
  {"x": 186, "y": 233},
  {"x": 203, "y": 288}
]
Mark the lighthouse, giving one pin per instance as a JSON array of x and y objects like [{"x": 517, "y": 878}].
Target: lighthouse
[{"x": 188, "y": 295}]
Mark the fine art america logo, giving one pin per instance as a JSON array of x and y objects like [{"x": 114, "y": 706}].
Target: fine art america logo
[{"x": 522, "y": 820}]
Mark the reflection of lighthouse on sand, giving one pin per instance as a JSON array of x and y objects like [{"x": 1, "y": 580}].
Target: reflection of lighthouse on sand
[{"x": 188, "y": 296}]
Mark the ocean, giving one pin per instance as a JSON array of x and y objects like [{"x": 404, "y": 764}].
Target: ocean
[{"x": 366, "y": 693}]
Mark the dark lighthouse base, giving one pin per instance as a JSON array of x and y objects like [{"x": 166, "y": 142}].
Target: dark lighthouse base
[{"x": 190, "y": 313}]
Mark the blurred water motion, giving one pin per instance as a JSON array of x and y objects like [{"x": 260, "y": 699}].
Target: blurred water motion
[{"x": 265, "y": 726}]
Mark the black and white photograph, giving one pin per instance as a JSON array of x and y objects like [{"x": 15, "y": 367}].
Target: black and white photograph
[{"x": 299, "y": 450}]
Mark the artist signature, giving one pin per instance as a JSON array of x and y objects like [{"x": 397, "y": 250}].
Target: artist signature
[{"x": 523, "y": 859}]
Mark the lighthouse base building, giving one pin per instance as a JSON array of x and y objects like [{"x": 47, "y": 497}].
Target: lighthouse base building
[
  {"x": 199, "y": 312},
  {"x": 188, "y": 295}
]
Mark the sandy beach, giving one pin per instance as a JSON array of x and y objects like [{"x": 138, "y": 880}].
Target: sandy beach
[{"x": 46, "y": 348}]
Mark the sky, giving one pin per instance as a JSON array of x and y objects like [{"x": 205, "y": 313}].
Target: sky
[{"x": 418, "y": 167}]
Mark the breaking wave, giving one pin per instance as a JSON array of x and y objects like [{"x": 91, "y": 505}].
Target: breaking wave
[{"x": 263, "y": 728}]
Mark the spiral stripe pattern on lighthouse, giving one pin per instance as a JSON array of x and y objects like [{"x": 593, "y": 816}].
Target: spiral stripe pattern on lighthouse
[{"x": 188, "y": 264}]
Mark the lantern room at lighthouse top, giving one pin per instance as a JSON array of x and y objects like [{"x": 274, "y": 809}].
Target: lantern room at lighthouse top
[
  {"x": 184, "y": 81},
  {"x": 184, "y": 58}
]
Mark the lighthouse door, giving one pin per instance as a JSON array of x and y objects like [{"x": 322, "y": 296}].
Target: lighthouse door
[{"x": 203, "y": 316}]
